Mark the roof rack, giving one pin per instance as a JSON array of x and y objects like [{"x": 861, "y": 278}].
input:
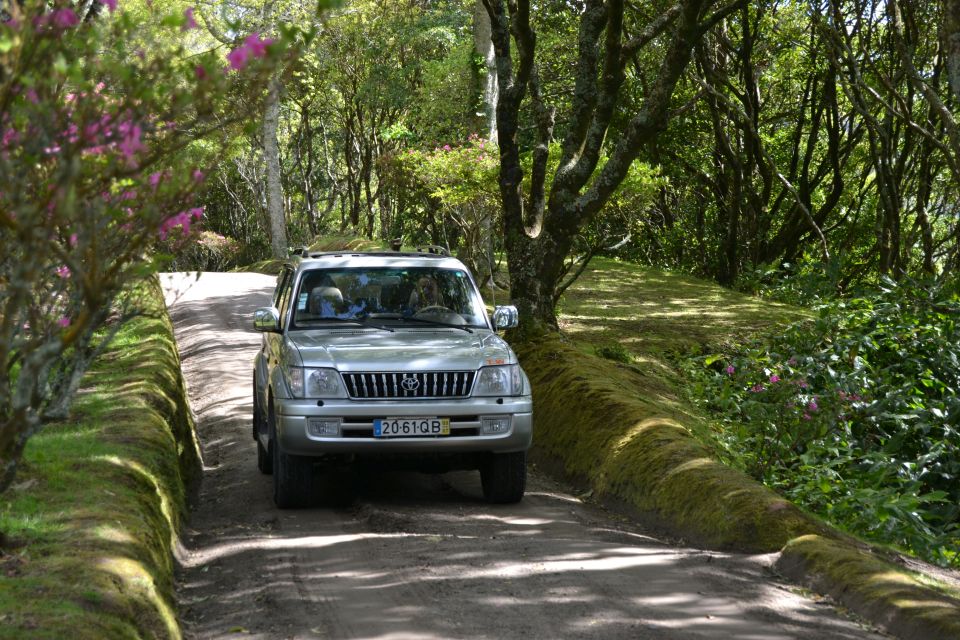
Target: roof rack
[{"x": 435, "y": 249}]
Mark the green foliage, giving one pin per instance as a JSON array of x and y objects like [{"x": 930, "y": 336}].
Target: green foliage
[
  {"x": 616, "y": 352},
  {"x": 99, "y": 115},
  {"x": 853, "y": 414}
]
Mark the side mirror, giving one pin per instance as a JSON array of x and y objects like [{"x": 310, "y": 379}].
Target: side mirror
[
  {"x": 505, "y": 317},
  {"x": 266, "y": 319}
]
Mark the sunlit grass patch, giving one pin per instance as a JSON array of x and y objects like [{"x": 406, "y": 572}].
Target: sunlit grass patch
[{"x": 90, "y": 520}]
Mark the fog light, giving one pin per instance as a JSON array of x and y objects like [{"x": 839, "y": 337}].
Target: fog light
[
  {"x": 490, "y": 426},
  {"x": 323, "y": 427}
]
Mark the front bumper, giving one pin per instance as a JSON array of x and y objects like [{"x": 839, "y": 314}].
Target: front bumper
[{"x": 356, "y": 429}]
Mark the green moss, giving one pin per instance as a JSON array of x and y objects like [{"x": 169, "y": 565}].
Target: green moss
[
  {"x": 97, "y": 504},
  {"x": 633, "y": 438},
  {"x": 874, "y": 588},
  {"x": 626, "y": 437}
]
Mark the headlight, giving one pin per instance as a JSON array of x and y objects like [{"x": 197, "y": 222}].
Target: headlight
[
  {"x": 500, "y": 381},
  {"x": 315, "y": 383}
]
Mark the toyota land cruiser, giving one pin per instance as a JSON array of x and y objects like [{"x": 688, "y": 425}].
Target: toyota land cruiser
[{"x": 386, "y": 357}]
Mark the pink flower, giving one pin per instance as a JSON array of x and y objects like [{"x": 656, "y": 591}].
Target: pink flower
[
  {"x": 130, "y": 144},
  {"x": 200, "y": 72},
  {"x": 189, "y": 21},
  {"x": 238, "y": 58},
  {"x": 757, "y": 388},
  {"x": 10, "y": 137},
  {"x": 806, "y": 416},
  {"x": 73, "y": 240},
  {"x": 63, "y": 271},
  {"x": 446, "y": 147},
  {"x": 774, "y": 379},
  {"x": 181, "y": 220},
  {"x": 730, "y": 370},
  {"x": 812, "y": 406},
  {"x": 155, "y": 179},
  {"x": 64, "y": 322},
  {"x": 111, "y": 4},
  {"x": 64, "y": 18},
  {"x": 198, "y": 175},
  {"x": 257, "y": 46}
]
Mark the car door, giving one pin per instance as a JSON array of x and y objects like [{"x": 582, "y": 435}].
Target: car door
[{"x": 276, "y": 343}]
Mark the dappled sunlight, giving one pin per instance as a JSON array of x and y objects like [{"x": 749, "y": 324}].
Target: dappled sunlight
[
  {"x": 642, "y": 426},
  {"x": 690, "y": 465},
  {"x": 114, "y": 534},
  {"x": 423, "y": 556},
  {"x": 435, "y": 554},
  {"x": 135, "y": 577},
  {"x": 138, "y": 469}
]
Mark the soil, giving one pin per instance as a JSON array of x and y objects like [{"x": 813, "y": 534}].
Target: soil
[{"x": 422, "y": 556}]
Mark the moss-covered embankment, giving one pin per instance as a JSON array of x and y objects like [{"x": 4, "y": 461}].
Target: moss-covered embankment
[
  {"x": 95, "y": 509},
  {"x": 636, "y": 448}
]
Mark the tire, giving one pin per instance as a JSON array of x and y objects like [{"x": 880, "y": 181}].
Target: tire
[
  {"x": 257, "y": 413},
  {"x": 504, "y": 477},
  {"x": 292, "y": 475},
  {"x": 264, "y": 459}
]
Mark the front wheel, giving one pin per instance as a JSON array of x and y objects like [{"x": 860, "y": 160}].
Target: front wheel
[
  {"x": 264, "y": 459},
  {"x": 504, "y": 477},
  {"x": 292, "y": 475}
]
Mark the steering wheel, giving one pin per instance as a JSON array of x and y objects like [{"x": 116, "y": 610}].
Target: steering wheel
[{"x": 434, "y": 308}]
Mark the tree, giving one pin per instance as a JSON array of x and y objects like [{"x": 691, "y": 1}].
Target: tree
[
  {"x": 540, "y": 228},
  {"x": 96, "y": 117}
]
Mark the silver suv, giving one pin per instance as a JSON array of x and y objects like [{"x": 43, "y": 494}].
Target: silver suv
[{"x": 384, "y": 358}]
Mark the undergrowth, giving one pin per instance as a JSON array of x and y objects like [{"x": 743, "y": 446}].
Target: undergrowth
[
  {"x": 853, "y": 414},
  {"x": 87, "y": 527}
]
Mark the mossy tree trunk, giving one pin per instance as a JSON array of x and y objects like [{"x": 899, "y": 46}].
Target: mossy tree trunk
[{"x": 539, "y": 229}]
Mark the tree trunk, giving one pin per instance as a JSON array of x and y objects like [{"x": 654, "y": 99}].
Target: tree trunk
[
  {"x": 951, "y": 36},
  {"x": 271, "y": 156},
  {"x": 538, "y": 239},
  {"x": 483, "y": 45}
]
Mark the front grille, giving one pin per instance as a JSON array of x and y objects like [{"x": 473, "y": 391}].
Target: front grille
[{"x": 432, "y": 384}]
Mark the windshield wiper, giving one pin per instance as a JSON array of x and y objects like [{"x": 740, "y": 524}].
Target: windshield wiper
[
  {"x": 358, "y": 321},
  {"x": 437, "y": 323}
]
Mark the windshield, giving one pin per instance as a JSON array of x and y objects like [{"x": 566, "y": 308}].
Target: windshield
[{"x": 387, "y": 295}]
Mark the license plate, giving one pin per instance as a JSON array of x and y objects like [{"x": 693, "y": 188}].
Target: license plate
[{"x": 410, "y": 427}]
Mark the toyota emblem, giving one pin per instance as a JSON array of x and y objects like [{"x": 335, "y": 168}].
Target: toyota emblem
[{"x": 410, "y": 384}]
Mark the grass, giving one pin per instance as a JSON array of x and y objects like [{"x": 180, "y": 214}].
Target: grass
[
  {"x": 611, "y": 412},
  {"x": 92, "y": 515}
]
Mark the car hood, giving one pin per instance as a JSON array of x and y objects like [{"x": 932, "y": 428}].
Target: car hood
[{"x": 402, "y": 350}]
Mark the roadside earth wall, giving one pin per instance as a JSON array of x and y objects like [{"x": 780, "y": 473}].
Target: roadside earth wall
[
  {"x": 627, "y": 448},
  {"x": 105, "y": 494}
]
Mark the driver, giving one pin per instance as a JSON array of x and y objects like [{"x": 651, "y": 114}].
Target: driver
[{"x": 425, "y": 294}]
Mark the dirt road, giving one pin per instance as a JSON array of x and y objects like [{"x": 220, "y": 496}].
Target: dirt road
[{"x": 420, "y": 556}]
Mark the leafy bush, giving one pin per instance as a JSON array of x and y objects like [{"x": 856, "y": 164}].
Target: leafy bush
[
  {"x": 854, "y": 415},
  {"x": 616, "y": 352}
]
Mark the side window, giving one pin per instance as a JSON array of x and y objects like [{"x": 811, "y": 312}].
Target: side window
[
  {"x": 286, "y": 292},
  {"x": 281, "y": 281}
]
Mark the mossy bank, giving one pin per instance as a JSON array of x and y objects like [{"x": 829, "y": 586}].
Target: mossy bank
[
  {"x": 624, "y": 430},
  {"x": 93, "y": 514}
]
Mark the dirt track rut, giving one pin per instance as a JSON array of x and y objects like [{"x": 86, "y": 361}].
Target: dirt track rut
[{"x": 420, "y": 556}]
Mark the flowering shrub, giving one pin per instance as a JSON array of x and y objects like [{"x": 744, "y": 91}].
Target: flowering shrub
[
  {"x": 203, "y": 251},
  {"x": 461, "y": 181},
  {"x": 97, "y": 120},
  {"x": 854, "y": 415}
]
